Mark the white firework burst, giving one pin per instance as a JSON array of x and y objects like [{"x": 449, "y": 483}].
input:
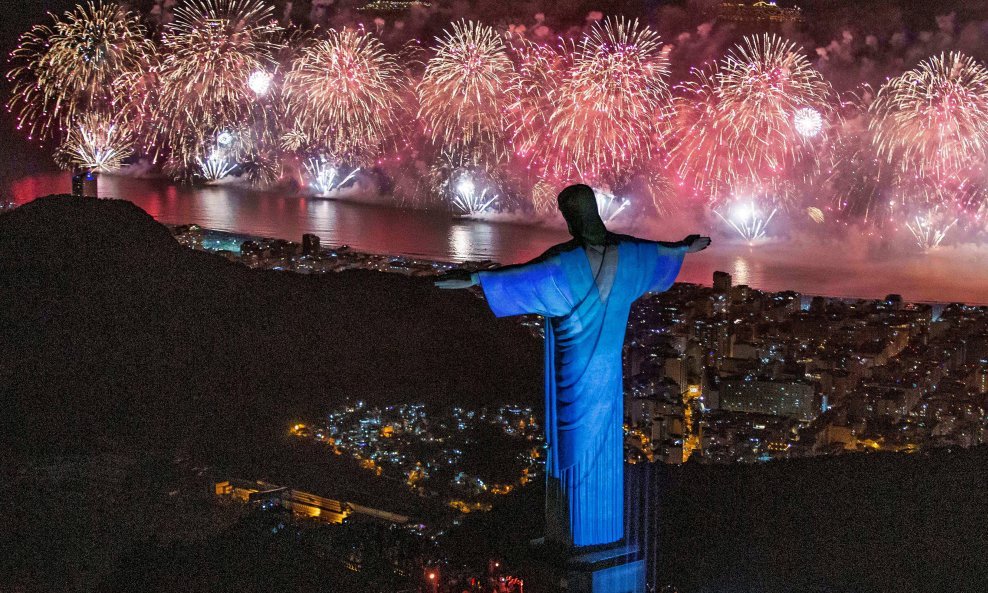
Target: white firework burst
[
  {"x": 328, "y": 176},
  {"x": 748, "y": 221}
]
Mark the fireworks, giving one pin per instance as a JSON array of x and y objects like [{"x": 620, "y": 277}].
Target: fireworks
[
  {"x": 745, "y": 122},
  {"x": 259, "y": 81},
  {"x": 929, "y": 126},
  {"x": 463, "y": 95},
  {"x": 541, "y": 70},
  {"x": 467, "y": 198},
  {"x": 327, "y": 176},
  {"x": 543, "y": 199},
  {"x": 342, "y": 93},
  {"x": 74, "y": 66},
  {"x": 808, "y": 122},
  {"x": 225, "y": 139},
  {"x": 748, "y": 221},
  {"x": 98, "y": 143},
  {"x": 215, "y": 167},
  {"x": 609, "y": 205},
  {"x": 208, "y": 54},
  {"x": 222, "y": 91},
  {"x": 607, "y": 115},
  {"x": 933, "y": 120},
  {"x": 930, "y": 228}
]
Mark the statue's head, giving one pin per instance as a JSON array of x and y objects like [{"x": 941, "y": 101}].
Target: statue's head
[{"x": 579, "y": 207}]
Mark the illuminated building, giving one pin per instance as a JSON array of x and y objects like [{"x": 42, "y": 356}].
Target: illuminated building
[
  {"x": 761, "y": 396},
  {"x": 249, "y": 492},
  {"x": 84, "y": 183},
  {"x": 722, "y": 283},
  {"x": 760, "y": 14},
  {"x": 691, "y": 430},
  {"x": 301, "y": 504},
  {"x": 388, "y": 6},
  {"x": 304, "y": 504}
]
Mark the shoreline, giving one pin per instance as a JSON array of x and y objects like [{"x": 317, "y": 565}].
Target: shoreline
[{"x": 437, "y": 266}]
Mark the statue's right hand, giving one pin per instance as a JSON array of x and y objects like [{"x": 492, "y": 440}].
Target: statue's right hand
[
  {"x": 455, "y": 279},
  {"x": 696, "y": 243},
  {"x": 453, "y": 284}
]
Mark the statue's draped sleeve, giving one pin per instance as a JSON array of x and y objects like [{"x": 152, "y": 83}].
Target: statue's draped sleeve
[
  {"x": 538, "y": 287},
  {"x": 658, "y": 266}
]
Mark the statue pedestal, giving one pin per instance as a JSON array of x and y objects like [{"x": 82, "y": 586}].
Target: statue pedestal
[{"x": 610, "y": 569}]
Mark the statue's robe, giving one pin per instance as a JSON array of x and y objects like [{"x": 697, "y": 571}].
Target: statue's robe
[{"x": 585, "y": 297}]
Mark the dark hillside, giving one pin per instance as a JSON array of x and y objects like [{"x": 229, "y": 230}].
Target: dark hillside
[{"x": 114, "y": 335}]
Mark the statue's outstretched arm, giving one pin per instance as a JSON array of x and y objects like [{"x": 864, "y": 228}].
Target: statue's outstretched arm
[
  {"x": 463, "y": 279},
  {"x": 695, "y": 243}
]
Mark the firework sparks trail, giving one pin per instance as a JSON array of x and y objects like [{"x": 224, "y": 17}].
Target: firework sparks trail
[
  {"x": 608, "y": 205},
  {"x": 740, "y": 122},
  {"x": 464, "y": 92},
  {"x": 327, "y": 176},
  {"x": 543, "y": 198},
  {"x": 343, "y": 94},
  {"x": 468, "y": 198},
  {"x": 541, "y": 68},
  {"x": 208, "y": 54},
  {"x": 215, "y": 167},
  {"x": 932, "y": 122},
  {"x": 597, "y": 111},
  {"x": 748, "y": 221},
  {"x": 75, "y": 65},
  {"x": 929, "y": 229},
  {"x": 97, "y": 143}
]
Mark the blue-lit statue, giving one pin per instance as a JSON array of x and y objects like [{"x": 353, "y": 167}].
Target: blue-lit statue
[{"x": 584, "y": 288}]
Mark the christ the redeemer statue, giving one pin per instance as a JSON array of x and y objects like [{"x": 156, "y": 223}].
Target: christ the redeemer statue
[{"x": 584, "y": 288}]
